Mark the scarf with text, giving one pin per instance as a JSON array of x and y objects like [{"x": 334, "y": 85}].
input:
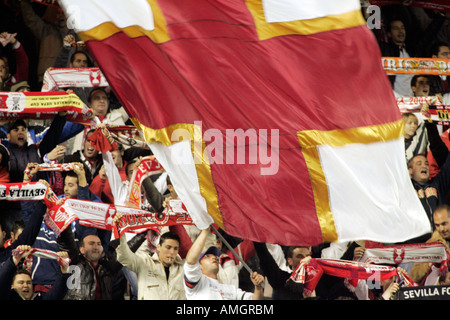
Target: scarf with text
[
  {"x": 57, "y": 78},
  {"x": 422, "y": 66},
  {"x": 43, "y": 105},
  {"x": 437, "y": 112},
  {"x": 100, "y": 215},
  {"x": 397, "y": 254},
  {"x": 19, "y": 191},
  {"x": 434, "y": 252},
  {"x": 310, "y": 274}
]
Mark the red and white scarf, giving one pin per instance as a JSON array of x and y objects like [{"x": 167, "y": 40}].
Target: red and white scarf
[
  {"x": 149, "y": 166},
  {"x": 57, "y": 78},
  {"x": 26, "y": 191},
  {"x": 310, "y": 274},
  {"x": 414, "y": 104},
  {"x": 397, "y": 254},
  {"x": 437, "y": 112},
  {"x": 44, "y": 253},
  {"x": 51, "y": 167},
  {"x": 100, "y": 215},
  {"x": 105, "y": 139}
]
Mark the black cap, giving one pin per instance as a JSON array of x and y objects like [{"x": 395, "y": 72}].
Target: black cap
[
  {"x": 16, "y": 123},
  {"x": 213, "y": 249}
]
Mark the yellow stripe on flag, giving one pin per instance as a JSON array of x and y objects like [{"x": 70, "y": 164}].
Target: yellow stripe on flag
[
  {"x": 267, "y": 30},
  {"x": 159, "y": 34},
  {"x": 207, "y": 187},
  {"x": 311, "y": 139}
]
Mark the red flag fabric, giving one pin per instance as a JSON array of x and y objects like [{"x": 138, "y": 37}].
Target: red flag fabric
[
  {"x": 102, "y": 140},
  {"x": 269, "y": 116}
]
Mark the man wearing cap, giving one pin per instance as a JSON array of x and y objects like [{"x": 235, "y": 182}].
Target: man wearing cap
[{"x": 200, "y": 275}]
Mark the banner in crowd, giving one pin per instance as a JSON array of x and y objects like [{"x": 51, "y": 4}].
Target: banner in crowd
[
  {"x": 100, "y": 215},
  {"x": 414, "y": 104},
  {"x": 430, "y": 66},
  {"x": 26, "y": 191},
  {"x": 437, "y": 112},
  {"x": 43, "y": 105},
  {"x": 397, "y": 254},
  {"x": 441, "y": 5},
  {"x": 174, "y": 214},
  {"x": 57, "y": 78},
  {"x": 240, "y": 101},
  {"x": 438, "y": 292},
  {"x": 149, "y": 166}
]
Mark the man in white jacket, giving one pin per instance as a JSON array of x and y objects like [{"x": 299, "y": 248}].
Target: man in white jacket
[{"x": 159, "y": 276}]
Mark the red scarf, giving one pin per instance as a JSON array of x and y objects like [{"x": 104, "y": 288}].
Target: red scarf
[{"x": 311, "y": 273}]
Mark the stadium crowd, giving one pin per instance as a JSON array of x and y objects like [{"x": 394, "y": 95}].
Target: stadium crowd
[{"x": 185, "y": 262}]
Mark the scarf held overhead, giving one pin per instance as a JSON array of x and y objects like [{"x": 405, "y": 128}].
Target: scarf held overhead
[
  {"x": 44, "y": 253},
  {"x": 57, "y": 78},
  {"x": 149, "y": 166},
  {"x": 418, "y": 252},
  {"x": 310, "y": 274},
  {"x": 423, "y": 66},
  {"x": 100, "y": 215},
  {"x": 105, "y": 138},
  {"x": 26, "y": 191},
  {"x": 43, "y": 105}
]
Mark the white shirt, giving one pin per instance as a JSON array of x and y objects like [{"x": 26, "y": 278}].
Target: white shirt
[{"x": 200, "y": 287}]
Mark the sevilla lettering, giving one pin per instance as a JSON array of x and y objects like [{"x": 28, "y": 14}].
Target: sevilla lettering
[{"x": 27, "y": 193}]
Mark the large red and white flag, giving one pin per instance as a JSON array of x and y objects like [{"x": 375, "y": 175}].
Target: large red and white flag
[{"x": 273, "y": 118}]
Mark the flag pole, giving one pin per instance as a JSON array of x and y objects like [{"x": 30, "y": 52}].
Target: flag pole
[{"x": 233, "y": 251}]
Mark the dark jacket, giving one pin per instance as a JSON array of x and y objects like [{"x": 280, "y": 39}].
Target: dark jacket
[
  {"x": 434, "y": 192},
  {"x": 107, "y": 272},
  {"x": 7, "y": 272},
  {"x": 277, "y": 278},
  {"x": 30, "y": 232},
  {"x": 21, "y": 156}
]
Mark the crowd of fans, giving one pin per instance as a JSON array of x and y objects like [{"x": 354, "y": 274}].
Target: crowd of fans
[{"x": 186, "y": 263}]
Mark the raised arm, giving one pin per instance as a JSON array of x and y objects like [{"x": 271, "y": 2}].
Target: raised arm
[{"x": 196, "y": 249}]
